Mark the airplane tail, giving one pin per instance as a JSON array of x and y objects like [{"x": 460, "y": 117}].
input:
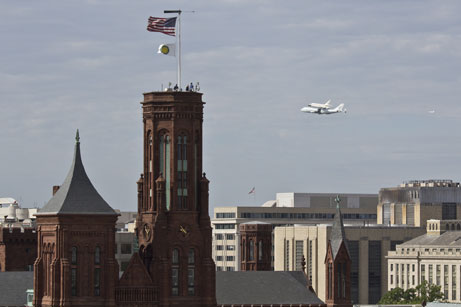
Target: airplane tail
[
  {"x": 328, "y": 103},
  {"x": 340, "y": 108}
]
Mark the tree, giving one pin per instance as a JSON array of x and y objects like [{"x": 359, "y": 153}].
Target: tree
[
  {"x": 424, "y": 292},
  {"x": 429, "y": 292}
]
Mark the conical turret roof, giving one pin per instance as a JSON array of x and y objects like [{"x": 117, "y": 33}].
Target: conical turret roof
[
  {"x": 337, "y": 235},
  {"x": 77, "y": 194}
]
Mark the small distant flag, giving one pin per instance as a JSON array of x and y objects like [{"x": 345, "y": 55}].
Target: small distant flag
[
  {"x": 167, "y": 49},
  {"x": 164, "y": 25},
  {"x": 252, "y": 191}
]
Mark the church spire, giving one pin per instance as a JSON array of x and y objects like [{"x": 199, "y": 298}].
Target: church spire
[
  {"x": 77, "y": 138},
  {"x": 337, "y": 230}
]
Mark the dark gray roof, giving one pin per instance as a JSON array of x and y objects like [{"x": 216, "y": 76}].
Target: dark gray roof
[
  {"x": 13, "y": 287},
  {"x": 263, "y": 287},
  {"x": 77, "y": 195},
  {"x": 256, "y": 287},
  {"x": 448, "y": 238},
  {"x": 337, "y": 235}
]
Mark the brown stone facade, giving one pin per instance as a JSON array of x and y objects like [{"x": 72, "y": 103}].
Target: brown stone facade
[
  {"x": 76, "y": 263},
  {"x": 273, "y": 305},
  {"x": 255, "y": 246},
  {"x": 174, "y": 265},
  {"x": 18, "y": 249},
  {"x": 338, "y": 277}
]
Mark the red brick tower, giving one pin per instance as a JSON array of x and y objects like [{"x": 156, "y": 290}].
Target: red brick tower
[
  {"x": 76, "y": 263},
  {"x": 173, "y": 225},
  {"x": 18, "y": 248},
  {"x": 256, "y": 246},
  {"x": 338, "y": 265}
]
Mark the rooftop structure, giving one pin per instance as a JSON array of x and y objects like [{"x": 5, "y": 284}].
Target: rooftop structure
[
  {"x": 414, "y": 202},
  {"x": 286, "y": 209}
]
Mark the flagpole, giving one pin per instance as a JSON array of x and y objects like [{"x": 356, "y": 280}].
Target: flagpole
[
  {"x": 179, "y": 49},
  {"x": 178, "y": 38}
]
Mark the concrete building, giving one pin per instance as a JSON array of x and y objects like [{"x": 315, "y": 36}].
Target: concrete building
[
  {"x": 368, "y": 245},
  {"x": 126, "y": 244},
  {"x": 286, "y": 209},
  {"x": 434, "y": 257},
  {"x": 12, "y": 214},
  {"x": 415, "y": 202}
]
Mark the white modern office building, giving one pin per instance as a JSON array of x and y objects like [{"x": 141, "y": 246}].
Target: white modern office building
[{"x": 286, "y": 210}]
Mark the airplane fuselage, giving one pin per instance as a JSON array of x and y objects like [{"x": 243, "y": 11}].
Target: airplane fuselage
[{"x": 320, "y": 110}]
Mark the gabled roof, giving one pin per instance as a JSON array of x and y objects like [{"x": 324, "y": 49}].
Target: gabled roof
[
  {"x": 337, "y": 235},
  {"x": 263, "y": 287},
  {"x": 77, "y": 195}
]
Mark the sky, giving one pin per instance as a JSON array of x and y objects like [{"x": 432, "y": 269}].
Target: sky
[{"x": 85, "y": 64}]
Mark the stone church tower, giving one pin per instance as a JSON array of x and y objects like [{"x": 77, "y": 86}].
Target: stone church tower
[
  {"x": 338, "y": 265},
  {"x": 76, "y": 238},
  {"x": 255, "y": 246},
  {"x": 173, "y": 225}
]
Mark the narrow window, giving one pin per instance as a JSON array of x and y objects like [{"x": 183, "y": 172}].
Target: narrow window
[
  {"x": 73, "y": 271},
  {"x": 97, "y": 255},
  {"x": 191, "y": 273},
  {"x": 252, "y": 250},
  {"x": 182, "y": 172},
  {"x": 165, "y": 164},
  {"x": 97, "y": 284},
  {"x": 74, "y": 255},
  {"x": 175, "y": 273},
  {"x": 260, "y": 250},
  {"x": 73, "y": 283},
  {"x": 97, "y": 271}
]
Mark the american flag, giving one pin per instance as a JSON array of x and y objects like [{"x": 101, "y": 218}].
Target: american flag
[
  {"x": 165, "y": 25},
  {"x": 252, "y": 191}
]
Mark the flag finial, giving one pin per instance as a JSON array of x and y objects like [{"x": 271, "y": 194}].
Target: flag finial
[{"x": 77, "y": 138}]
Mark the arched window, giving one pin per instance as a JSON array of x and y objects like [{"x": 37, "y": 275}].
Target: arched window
[
  {"x": 164, "y": 147},
  {"x": 74, "y": 255},
  {"x": 182, "y": 171},
  {"x": 252, "y": 251},
  {"x": 149, "y": 166},
  {"x": 97, "y": 255},
  {"x": 458, "y": 227},
  {"x": 175, "y": 272},
  {"x": 191, "y": 272}
]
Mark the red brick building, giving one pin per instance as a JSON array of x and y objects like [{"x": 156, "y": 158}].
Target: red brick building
[
  {"x": 173, "y": 225},
  {"x": 76, "y": 231},
  {"x": 76, "y": 263},
  {"x": 256, "y": 246},
  {"x": 18, "y": 248}
]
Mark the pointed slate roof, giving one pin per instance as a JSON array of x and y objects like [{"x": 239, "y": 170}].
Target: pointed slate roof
[
  {"x": 337, "y": 235},
  {"x": 77, "y": 195}
]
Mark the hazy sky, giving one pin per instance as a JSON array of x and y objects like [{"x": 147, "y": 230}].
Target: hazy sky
[{"x": 85, "y": 64}]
